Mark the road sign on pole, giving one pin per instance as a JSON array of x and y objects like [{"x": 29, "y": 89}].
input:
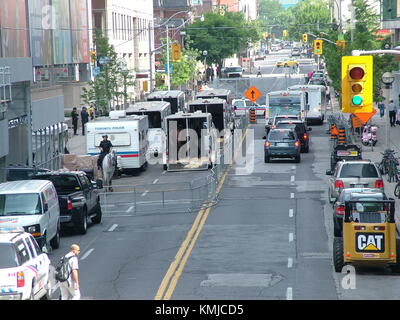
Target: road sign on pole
[{"x": 253, "y": 94}]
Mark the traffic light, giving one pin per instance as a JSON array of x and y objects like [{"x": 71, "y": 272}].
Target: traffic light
[
  {"x": 305, "y": 37},
  {"x": 92, "y": 56},
  {"x": 284, "y": 33},
  {"x": 318, "y": 46},
  {"x": 357, "y": 84},
  {"x": 176, "y": 52}
]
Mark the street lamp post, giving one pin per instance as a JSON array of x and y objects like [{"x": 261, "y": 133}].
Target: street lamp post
[{"x": 387, "y": 79}]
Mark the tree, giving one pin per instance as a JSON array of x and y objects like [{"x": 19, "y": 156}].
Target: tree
[
  {"x": 222, "y": 36},
  {"x": 111, "y": 83}
]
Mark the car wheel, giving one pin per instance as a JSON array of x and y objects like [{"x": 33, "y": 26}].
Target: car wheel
[
  {"x": 81, "y": 226},
  {"x": 338, "y": 258},
  {"x": 97, "y": 219},
  {"x": 55, "y": 242}
]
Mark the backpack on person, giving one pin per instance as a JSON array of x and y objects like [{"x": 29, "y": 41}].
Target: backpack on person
[{"x": 63, "y": 269}]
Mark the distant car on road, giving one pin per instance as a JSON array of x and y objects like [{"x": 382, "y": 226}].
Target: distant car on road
[
  {"x": 296, "y": 52},
  {"x": 353, "y": 174},
  {"x": 287, "y": 63},
  {"x": 259, "y": 56},
  {"x": 233, "y": 72},
  {"x": 282, "y": 143}
]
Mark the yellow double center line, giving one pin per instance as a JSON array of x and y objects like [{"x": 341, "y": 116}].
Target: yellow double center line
[{"x": 174, "y": 272}]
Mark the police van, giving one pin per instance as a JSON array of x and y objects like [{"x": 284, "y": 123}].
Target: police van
[
  {"x": 128, "y": 135},
  {"x": 24, "y": 269}
]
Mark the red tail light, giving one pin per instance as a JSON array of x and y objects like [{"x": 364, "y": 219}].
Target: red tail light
[
  {"x": 340, "y": 210},
  {"x": 379, "y": 228},
  {"x": 69, "y": 205},
  {"x": 359, "y": 228},
  {"x": 20, "y": 279},
  {"x": 297, "y": 144},
  {"x": 379, "y": 184},
  {"x": 339, "y": 184},
  {"x": 305, "y": 136},
  {"x": 267, "y": 144}
]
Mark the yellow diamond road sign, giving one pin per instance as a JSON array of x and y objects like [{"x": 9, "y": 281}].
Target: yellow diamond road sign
[{"x": 253, "y": 94}]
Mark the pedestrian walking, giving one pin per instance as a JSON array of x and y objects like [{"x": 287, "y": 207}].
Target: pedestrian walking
[
  {"x": 70, "y": 288},
  {"x": 212, "y": 74},
  {"x": 259, "y": 72},
  {"x": 91, "y": 112},
  {"x": 381, "y": 107},
  {"x": 392, "y": 113},
  {"x": 84, "y": 119},
  {"x": 75, "y": 117}
]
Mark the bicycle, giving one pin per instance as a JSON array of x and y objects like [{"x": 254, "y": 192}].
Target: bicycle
[{"x": 384, "y": 165}]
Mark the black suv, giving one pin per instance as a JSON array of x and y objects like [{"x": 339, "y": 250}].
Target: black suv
[{"x": 301, "y": 131}]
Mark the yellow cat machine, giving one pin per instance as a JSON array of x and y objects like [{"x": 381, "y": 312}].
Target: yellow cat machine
[{"x": 369, "y": 236}]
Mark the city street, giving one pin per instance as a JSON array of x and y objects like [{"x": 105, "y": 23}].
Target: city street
[{"x": 268, "y": 236}]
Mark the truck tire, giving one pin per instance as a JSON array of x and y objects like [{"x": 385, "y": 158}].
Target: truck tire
[
  {"x": 81, "y": 226},
  {"x": 97, "y": 219},
  {"x": 338, "y": 255},
  {"x": 55, "y": 242}
]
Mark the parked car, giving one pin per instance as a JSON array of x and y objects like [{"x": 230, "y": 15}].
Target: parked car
[
  {"x": 282, "y": 143},
  {"x": 32, "y": 205},
  {"x": 21, "y": 172},
  {"x": 352, "y": 194},
  {"x": 353, "y": 174},
  {"x": 24, "y": 268},
  {"x": 233, "y": 72},
  {"x": 78, "y": 197},
  {"x": 301, "y": 130}
]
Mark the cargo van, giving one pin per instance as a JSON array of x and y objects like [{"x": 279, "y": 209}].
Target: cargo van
[{"x": 33, "y": 205}]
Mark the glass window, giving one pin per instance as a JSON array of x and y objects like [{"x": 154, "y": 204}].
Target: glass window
[
  {"x": 63, "y": 184},
  {"x": 279, "y": 135},
  {"x": 29, "y": 245},
  {"x": 85, "y": 183},
  {"x": 20, "y": 204},
  {"x": 35, "y": 245},
  {"x": 22, "y": 252},
  {"x": 9, "y": 257},
  {"x": 361, "y": 170}
]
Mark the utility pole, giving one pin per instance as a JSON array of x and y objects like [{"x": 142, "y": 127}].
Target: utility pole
[
  {"x": 151, "y": 60},
  {"x": 168, "y": 72}
]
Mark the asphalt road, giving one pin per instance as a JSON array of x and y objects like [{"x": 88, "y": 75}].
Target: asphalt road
[{"x": 268, "y": 236}]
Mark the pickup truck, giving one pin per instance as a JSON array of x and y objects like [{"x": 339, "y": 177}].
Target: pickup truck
[{"x": 78, "y": 197}]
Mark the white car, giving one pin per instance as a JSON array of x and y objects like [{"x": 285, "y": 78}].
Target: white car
[{"x": 24, "y": 268}]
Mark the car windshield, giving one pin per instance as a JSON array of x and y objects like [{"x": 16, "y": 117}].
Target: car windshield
[
  {"x": 362, "y": 170},
  {"x": 239, "y": 103},
  {"x": 234, "y": 69},
  {"x": 20, "y": 204},
  {"x": 279, "y": 135},
  {"x": 9, "y": 258}
]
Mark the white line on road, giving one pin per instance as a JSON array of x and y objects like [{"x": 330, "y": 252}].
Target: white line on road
[
  {"x": 86, "y": 254},
  {"x": 155, "y": 181},
  {"x": 291, "y": 237},
  {"x": 291, "y": 195},
  {"x": 292, "y": 179},
  {"x": 113, "y": 227},
  {"x": 164, "y": 172},
  {"x": 144, "y": 193},
  {"x": 289, "y": 293},
  {"x": 291, "y": 213},
  {"x": 290, "y": 263},
  {"x": 293, "y": 167},
  {"x": 130, "y": 209}
]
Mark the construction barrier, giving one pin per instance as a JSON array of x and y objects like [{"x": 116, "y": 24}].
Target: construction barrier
[
  {"x": 342, "y": 136},
  {"x": 252, "y": 115},
  {"x": 334, "y": 132}
]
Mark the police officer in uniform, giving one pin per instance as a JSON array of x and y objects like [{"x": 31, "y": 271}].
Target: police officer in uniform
[{"x": 105, "y": 147}]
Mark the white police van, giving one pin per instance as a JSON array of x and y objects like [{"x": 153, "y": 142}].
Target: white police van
[{"x": 24, "y": 269}]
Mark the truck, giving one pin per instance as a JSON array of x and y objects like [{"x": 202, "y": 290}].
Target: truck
[
  {"x": 191, "y": 143},
  {"x": 78, "y": 197},
  {"x": 156, "y": 111},
  {"x": 128, "y": 135},
  {"x": 175, "y": 97},
  {"x": 284, "y": 102},
  {"x": 222, "y": 116},
  {"x": 225, "y": 94}
]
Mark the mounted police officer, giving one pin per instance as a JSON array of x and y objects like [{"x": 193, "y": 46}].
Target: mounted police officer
[{"x": 105, "y": 147}]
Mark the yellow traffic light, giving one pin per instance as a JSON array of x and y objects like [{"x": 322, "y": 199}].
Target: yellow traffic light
[
  {"x": 284, "y": 33},
  {"x": 176, "y": 52},
  {"x": 92, "y": 56},
  {"x": 305, "y": 37},
  {"x": 357, "y": 84},
  {"x": 318, "y": 46}
]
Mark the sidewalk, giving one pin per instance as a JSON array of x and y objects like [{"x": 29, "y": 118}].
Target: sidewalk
[{"x": 76, "y": 144}]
